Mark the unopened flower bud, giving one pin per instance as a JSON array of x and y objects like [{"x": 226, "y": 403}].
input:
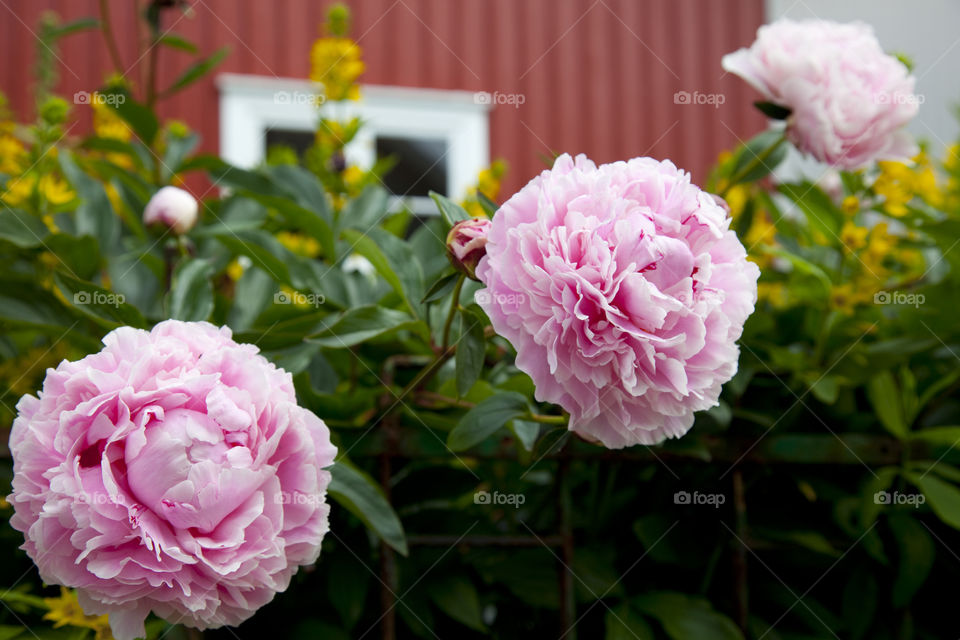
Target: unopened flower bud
[
  {"x": 172, "y": 207},
  {"x": 467, "y": 243}
]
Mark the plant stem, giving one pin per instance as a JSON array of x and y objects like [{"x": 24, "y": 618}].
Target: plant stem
[
  {"x": 454, "y": 304},
  {"x": 108, "y": 35},
  {"x": 547, "y": 419},
  {"x": 753, "y": 164}
]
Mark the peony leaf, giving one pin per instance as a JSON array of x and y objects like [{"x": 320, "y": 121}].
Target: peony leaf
[
  {"x": 471, "y": 349},
  {"x": 622, "y": 623},
  {"x": 917, "y": 554},
  {"x": 486, "y": 418},
  {"x": 394, "y": 259},
  {"x": 684, "y": 617},
  {"x": 191, "y": 294},
  {"x": 773, "y": 110},
  {"x": 22, "y": 229},
  {"x": 363, "y": 323},
  {"x": 944, "y": 497},
  {"x": 758, "y": 157},
  {"x": 197, "y": 70},
  {"x": 94, "y": 216},
  {"x": 450, "y": 210},
  {"x": 885, "y": 398},
  {"x": 96, "y": 302},
  {"x": 457, "y": 597},
  {"x": 356, "y": 491},
  {"x": 441, "y": 288}
]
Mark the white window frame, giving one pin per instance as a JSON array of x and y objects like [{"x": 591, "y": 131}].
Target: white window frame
[{"x": 252, "y": 105}]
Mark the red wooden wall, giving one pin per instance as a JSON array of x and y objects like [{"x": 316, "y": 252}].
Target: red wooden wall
[{"x": 597, "y": 76}]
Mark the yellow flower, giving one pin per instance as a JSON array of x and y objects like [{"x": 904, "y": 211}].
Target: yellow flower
[
  {"x": 234, "y": 270},
  {"x": 12, "y": 153},
  {"x": 55, "y": 189},
  {"x": 853, "y": 237},
  {"x": 352, "y": 178},
  {"x": 66, "y": 610},
  {"x": 300, "y": 244},
  {"x": 846, "y": 297},
  {"x": 850, "y": 205},
  {"x": 335, "y": 63},
  {"x": 107, "y": 123},
  {"x": 19, "y": 189},
  {"x": 774, "y": 293},
  {"x": 737, "y": 198},
  {"x": 895, "y": 185}
]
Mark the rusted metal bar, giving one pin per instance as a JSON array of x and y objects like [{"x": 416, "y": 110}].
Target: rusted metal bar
[
  {"x": 484, "y": 541},
  {"x": 740, "y": 592},
  {"x": 568, "y": 602}
]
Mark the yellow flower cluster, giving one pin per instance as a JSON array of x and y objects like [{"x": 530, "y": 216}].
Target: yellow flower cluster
[
  {"x": 336, "y": 64},
  {"x": 899, "y": 183},
  {"x": 66, "y": 611},
  {"x": 488, "y": 183},
  {"x": 299, "y": 243}
]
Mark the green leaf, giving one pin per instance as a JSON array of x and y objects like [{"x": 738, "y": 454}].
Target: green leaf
[
  {"x": 140, "y": 118},
  {"x": 457, "y": 597},
  {"x": 623, "y": 624},
  {"x": 361, "y": 324},
  {"x": 178, "y": 148},
  {"x": 526, "y": 432},
  {"x": 489, "y": 206},
  {"x": 306, "y": 219},
  {"x": 22, "y": 229},
  {"x": 944, "y": 497},
  {"x": 197, "y": 70},
  {"x": 262, "y": 249},
  {"x": 347, "y": 585},
  {"x": 441, "y": 288},
  {"x": 174, "y": 41},
  {"x": 254, "y": 291},
  {"x": 366, "y": 210},
  {"x": 687, "y": 618},
  {"x": 471, "y": 349},
  {"x": 917, "y": 553},
  {"x": 191, "y": 295},
  {"x": 885, "y": 397},
  {"x": 450, "y": 210},
  {"x": 356, "y": 491},
  {"x": 772, "y": 110},
  {"x": 758, "y": 157},
  {"x": 83, "y": 24},
  {"x": 938, "y": 436},
  {"x": 95, "y": 215},
  {"x": 96, "y": 302},
  {"x": 817, "y": 206},
  {"x": 486, "y": 418},
  {"x": 394, "y": 259},
  {"x": 804, "y": 266}
]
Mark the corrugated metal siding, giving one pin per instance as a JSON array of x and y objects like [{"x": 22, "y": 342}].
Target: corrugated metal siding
[{"x": 598, "y": 76}]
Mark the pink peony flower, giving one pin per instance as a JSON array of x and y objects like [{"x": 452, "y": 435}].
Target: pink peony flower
[
  {"x": 466, "y": 244},
  {"x": 849, "y": 100},
  {"x": 623, "y": 291},
  {"x": 171, "y": 472},
  {"x": 172, "y": 207}
]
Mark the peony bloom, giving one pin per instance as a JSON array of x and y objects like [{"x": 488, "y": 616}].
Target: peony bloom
[
  {"x": 623, "y": 290},
  {"x": 171, "y": 472},
  {"x": 466, "y": 244},
  {"x": 172, "y": 207},
  {"x": 848, "y": 99}
]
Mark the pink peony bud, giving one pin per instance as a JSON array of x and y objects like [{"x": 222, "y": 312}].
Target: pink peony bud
[
  {"x": 467, "y": 243},
  {"x": 172, "y": 207}
]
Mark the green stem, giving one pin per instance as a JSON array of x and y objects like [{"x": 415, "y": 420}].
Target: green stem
[
  {"x": 454, "y": 304},
  {"x": 758, "y": 160},
  {"x": 545, "y": 419}
]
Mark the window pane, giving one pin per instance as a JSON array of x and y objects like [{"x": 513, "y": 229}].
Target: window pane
[
  {"x": 421, "y": 165},
  {"x": 296, "y": 139}
]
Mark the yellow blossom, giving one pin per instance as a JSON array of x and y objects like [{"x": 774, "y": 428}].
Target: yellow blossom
[
  {"x": 853, "y": 237},
  {"x": 300, "y": 244},
  {"x": 235, "y": 270},
  {"x": 66, "y": 610},
  {"x": 774, "y": 293},
  {"x": 850, "y": 205},
  {"x": 107, "y": 123},
  {"x": 55, "y": 189},
  {"x": 335, "y": 63}
]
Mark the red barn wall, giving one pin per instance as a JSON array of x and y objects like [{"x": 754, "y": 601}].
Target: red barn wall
[{"x": 597, "y": 76}]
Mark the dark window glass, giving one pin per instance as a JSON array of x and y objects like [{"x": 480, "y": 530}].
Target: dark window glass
[
  {"x": 420, "y": 165},
  {"x": 296, "y": 139}
]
